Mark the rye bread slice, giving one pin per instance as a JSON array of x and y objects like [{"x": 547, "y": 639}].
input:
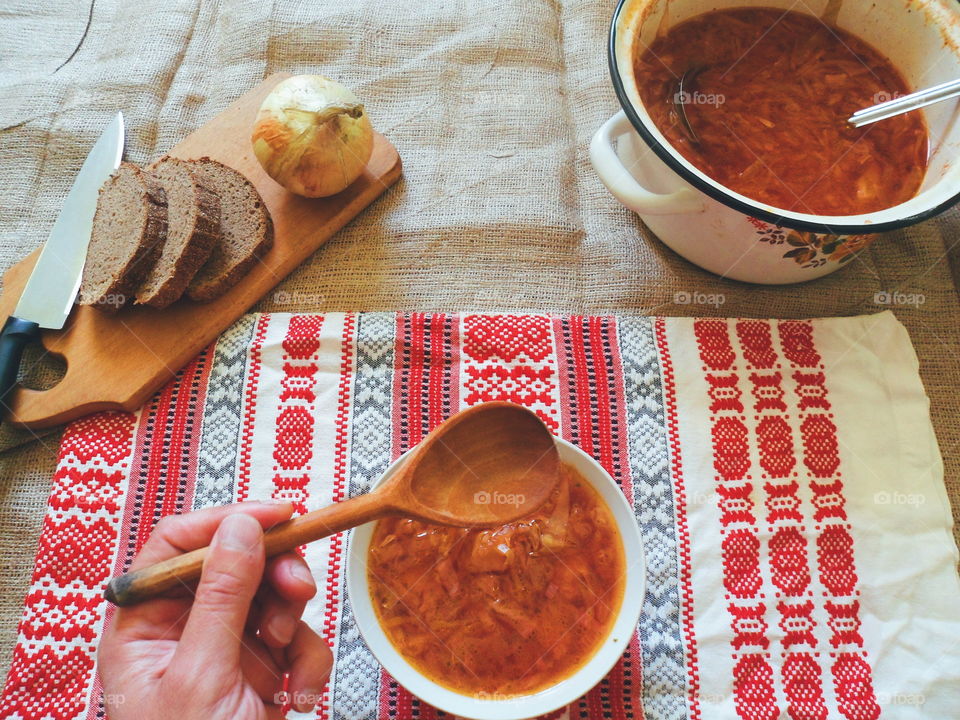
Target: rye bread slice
[
  {"x": 193, "y": 228},
  {"x": 129, "y": 230},
  {"x": 246, "y": 230}
]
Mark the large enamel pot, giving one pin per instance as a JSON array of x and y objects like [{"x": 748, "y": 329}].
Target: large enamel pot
[{"x": 733, "y": 235}]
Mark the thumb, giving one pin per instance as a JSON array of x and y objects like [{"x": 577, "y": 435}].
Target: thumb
[{"x": 232, "y": 572}]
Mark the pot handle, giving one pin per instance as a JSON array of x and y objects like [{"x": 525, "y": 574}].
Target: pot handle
[{"x": 624, "y": 186}]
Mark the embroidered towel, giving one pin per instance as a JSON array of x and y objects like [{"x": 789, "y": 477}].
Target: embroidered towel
[{"x": 784, "y": 474}]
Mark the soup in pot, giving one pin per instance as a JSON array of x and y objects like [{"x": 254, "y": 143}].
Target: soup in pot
[{"x": 769, "y": 100}]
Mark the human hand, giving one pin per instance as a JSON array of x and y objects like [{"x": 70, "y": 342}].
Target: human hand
[{"x": 223, "y": 652}]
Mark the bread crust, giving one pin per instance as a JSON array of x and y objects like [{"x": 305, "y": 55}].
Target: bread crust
[
  {"x": 153, "y": 232},
  {"x": 203, "y": 288},
  {"x": 204, "y": 235}
]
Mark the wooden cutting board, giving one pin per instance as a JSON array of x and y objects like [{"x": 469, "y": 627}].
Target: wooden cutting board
[{"x": 119, "y": 361}]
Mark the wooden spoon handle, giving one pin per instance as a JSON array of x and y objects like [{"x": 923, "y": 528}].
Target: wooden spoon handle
[{"x": 148, "y": 582}]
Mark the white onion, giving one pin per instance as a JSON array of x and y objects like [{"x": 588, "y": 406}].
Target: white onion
[{"x": 312, "y": 136}]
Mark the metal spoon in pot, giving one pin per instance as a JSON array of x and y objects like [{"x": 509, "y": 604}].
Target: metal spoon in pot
[
  {"x": 872, "y": 114},
  {"x": 900, "y": 105},
  {"x": 680, "y": 99},
  {"x": 483, "y": 467}
]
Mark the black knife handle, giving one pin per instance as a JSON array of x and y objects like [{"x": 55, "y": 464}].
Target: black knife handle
[{"x": 14, "y": 337}]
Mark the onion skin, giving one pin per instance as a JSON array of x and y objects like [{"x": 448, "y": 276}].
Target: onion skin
[{"x": 312, "y": 136}]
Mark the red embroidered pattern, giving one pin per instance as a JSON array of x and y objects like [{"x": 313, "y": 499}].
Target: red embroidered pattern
[
  {"x": 741, "y": 563},
  {"x": 811, "y": 390},
  {"x": 796, "y": 339},
  {"x": 845, "y": 622},
  {"x": 753, "y": 690},
  {"x": 749, "y": 627},
  {"x": 779, "y": 431},
  {"x": 736, "y": 505},
  {"x": 775, "y": 442},
  {"x": 828, "y": 500},
  {"x": 507, "y": 337},
  {"x": 511, "y": 359},
  {"x": 853, "y": 681},
  {"x": 48, "y": 683},
  {"x": 52, "y": 664},
  {"x": 782, "y": 502},
  {"x": 821, "y": 454},
  {"x": 797, "y": 624},
  {"x": 788, "y": 561},
  {"x": 835, "y": 557},
  {"x": 683, "y": 529},
  {"x": 834, "y": 544},
  {"x": 335, "y": 566},
  {"x": 64, "y": 617},
  {"x": 757, "y": 343},
  {"x": 801, "y": 685},
  {"x": 521, "y": 384},
  {"x": 753, "y": 694},
  {"x": 293, "y": 442},
  {"x": 298, "y": 382},
  {"x": 714, "y": 344},
  {"x": 250, "y": 409},
  {"x": 294, "y": 446},
  {"x": 724, "y": 393},
  {"x": 767, "y": 393},
  {"x": 731, "y": 449}
]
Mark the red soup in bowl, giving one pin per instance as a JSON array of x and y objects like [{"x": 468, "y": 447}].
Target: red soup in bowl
[
  {"x": 768, "y": 96},
  {"x": 502, "y": 612}
]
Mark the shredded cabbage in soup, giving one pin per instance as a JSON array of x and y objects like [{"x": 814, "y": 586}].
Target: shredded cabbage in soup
[
  {"x": 770, "y": 109},
  {"x": 505, "y": 611}
]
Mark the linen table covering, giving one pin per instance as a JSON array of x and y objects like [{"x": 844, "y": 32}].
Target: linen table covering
[{"x": 785, "y": 477}]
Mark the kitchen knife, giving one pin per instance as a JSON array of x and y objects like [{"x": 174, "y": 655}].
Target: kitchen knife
[{"x": 50, "y": 291}]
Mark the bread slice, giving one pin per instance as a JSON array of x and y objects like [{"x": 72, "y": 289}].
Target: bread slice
[
  {"x": 129, "y": 230},
  {"x": 246, "y": 230},
  {"x": 193, "y": 227}
]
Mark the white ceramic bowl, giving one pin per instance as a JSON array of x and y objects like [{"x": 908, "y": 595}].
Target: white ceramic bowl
[
  {"x": 733, "y": 235},
  {"x": 490, "y": 707}
]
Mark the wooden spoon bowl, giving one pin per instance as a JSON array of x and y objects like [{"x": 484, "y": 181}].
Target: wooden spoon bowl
[{"x": 485, "y": 466}]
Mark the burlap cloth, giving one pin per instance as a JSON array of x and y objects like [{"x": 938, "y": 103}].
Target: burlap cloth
[{"x": 491, "y": 105}]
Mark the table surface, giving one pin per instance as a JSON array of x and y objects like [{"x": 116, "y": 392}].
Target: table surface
[{"x": 491, "y": 106}]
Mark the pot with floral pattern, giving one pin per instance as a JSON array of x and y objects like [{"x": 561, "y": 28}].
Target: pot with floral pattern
[{"x": 735, "y": 236}]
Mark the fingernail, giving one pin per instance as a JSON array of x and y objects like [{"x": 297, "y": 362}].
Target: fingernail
[
  {"x": 238, "y": 532},
  {"x": 282, "y": 627},
  {"x": 274, "y": 501},
  {"x": 302, "y": 573},
  {"x": 307, "y": 699}
]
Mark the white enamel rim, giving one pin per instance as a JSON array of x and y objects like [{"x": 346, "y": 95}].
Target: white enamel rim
[{"x": 526, "y": 706}]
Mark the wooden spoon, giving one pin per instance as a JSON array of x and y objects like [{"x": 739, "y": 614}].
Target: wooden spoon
[{"x": 486, "y": 466}]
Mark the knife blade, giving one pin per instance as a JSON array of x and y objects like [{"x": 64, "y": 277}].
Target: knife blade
[{"x": 52, "y": 287}]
